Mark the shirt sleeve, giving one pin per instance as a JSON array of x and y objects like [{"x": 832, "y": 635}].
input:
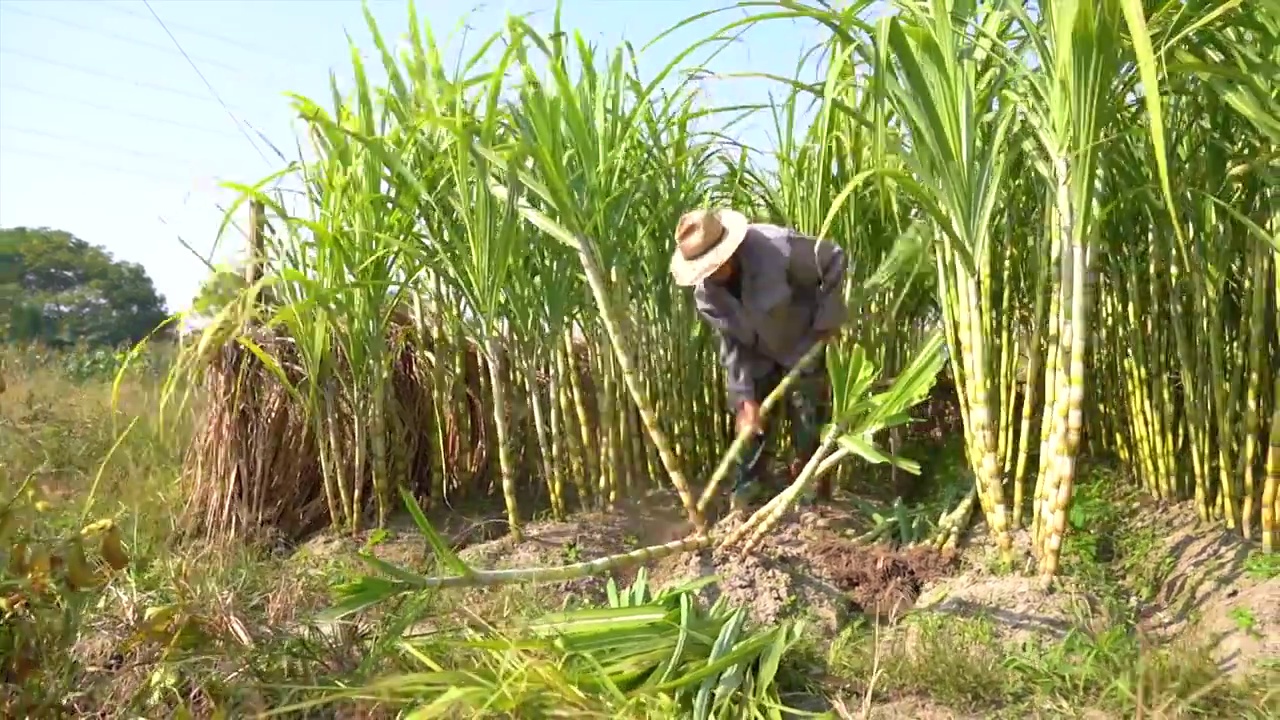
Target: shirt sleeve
[
  {"x": 826, "y": 265},
  {"x": 737, "y": 369},
  {"x": 735, "y": 354}
]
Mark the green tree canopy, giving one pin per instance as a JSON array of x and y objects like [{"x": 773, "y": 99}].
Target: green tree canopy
[
  {"x": 220, "y": 288},
  {"x": 59, "y": 289}
]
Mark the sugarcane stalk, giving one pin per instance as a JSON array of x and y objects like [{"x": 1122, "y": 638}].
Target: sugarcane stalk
[
  {"x": 378, "y": 441},
  {"x": 1257, "y": 367},
  {"x": 732, "y": 455},
  {"x": 498, "y": 387},
  {"x": 1064, "y": 476},
  {"x": 550, "y": 470},
  {"x": 577, "y": 393},
  {"x": 768, "y": 516},
  {"x": 666, "y": 451},
  {"x": 773, "y": 512},
  {"x": 1271, "y": 486},
  {"x": 1030, "y": 384}
]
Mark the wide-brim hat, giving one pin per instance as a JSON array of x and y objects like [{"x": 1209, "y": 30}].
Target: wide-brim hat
[{"x": 705, "y": 240}]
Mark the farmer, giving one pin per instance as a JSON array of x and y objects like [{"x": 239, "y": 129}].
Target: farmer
[{"x": 770, "y": 293}]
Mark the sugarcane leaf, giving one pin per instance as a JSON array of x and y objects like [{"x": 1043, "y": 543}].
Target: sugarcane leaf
[
  {"x": 677, "y": 654},
  {"x": 724, "y": 641},
  {"x": 770, "y": 660},
  {"x": 689, "y": 587},
  {"x": 404, "y": 576},
  {"x": 361, "y": 594},
  {"x": 700, "y": 672},
  {"x": 909, "y": 387},
  {"x": 868, "y": 451},
  {"x": 594, "y": 620},
  {"x": 639, "y": 588},
  {"x": 442, "y": 551},
  {"x": 611, "y": 589}
]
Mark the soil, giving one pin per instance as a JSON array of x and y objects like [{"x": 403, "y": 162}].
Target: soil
[
  {"x": 851, "y": 706},
  {"x": 882, "y": 582},
  {"x": 1016, "y": 605},
  {"x": 1019, "y": 609},
  {"x": 1209, "y": 597},
  {"x": 649, "y": 520},
  {"x": 914, "y": 708},
  {"x": 804, "y": 568},
  {"x": 808, "y": 568}
]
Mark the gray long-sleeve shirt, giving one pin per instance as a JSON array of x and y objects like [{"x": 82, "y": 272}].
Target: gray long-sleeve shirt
[{"x": 791, "y": 290}]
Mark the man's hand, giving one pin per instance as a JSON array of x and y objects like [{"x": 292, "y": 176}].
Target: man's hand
[{"x": 749, "y": 417}]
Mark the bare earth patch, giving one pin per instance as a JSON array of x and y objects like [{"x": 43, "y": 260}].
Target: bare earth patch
[
  {"x": 882, "y": 582},
  {"x": 805, "y": 568},
  {"x": 649, "y": 520},
  {"x": 1017, "y": 607},
  {"x": 1209, "y": 597},
  {"x": 914, "y": 708}
]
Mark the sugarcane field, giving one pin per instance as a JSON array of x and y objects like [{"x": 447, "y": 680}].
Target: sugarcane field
[{"x": 544, "y": 394}]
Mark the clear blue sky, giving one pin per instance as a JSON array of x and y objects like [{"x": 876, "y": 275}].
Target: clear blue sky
[{"x": 107, "y": 131}]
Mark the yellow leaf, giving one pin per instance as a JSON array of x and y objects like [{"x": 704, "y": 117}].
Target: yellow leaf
[
  {"x": 38, "y": 569},
  {"x": 79, "y": 575},
  {"x": 113, "y": 549},
  {"x": 96, "y": 527},
  {"x": 18, "y": 559}
]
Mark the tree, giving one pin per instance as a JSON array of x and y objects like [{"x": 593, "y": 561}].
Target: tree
[
  {"x": 59, "y": 289},
  {"x": 220, "y": 288}
]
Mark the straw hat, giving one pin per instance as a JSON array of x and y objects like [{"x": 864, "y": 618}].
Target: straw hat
[{"x": 705, "y": 240}]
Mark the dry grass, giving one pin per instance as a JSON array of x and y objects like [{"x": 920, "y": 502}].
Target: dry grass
[{"x": 252, "y": 470}]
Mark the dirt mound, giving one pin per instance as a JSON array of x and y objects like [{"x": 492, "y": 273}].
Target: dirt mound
[
  {"x": 649, "y": 520},
  {"x": 1017, "y": 606},
  {"x": 775, "y": 581},
  {"x": 805, "y": 567},
  {"x": 802, "y": 568},
  {"x": 880, "y": 581},
  {"x": 1209, "y": 596}
]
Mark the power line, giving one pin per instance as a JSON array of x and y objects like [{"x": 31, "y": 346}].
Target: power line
[
  {"x": 106, "y": 76},
  {"x": 108, "y": 108},
  {"x": 58, "y": 137},
  {"x": 235, "y": 42},
  {"x": 208, "y": 62},
  {"x": 207, "y": 84},
  {"x": 167, "y": 180}
]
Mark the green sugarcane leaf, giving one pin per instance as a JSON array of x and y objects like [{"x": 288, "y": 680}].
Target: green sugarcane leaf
[
  {"x": 689, "y": 587},
  {"x": 408, "y": 578},
  {"x": 611, "y": 589},
  {"x": 677, "y": 653},
  {"x": 770, "y": 661},
  {"x": 639, "y": 588},
  {"x": 594, "y": 620},
  {"x": 358, "y": 595},
  {"x": 867, "y": 450},
  {"x": 443, "y": 553}
]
